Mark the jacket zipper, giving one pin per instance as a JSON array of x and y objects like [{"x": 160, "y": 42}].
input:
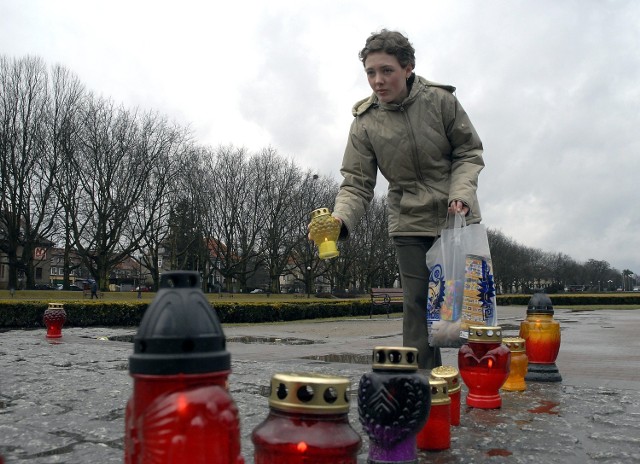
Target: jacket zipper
[
  {"x": 414, "y": 145},
  {"x": 416, "y": 165}
]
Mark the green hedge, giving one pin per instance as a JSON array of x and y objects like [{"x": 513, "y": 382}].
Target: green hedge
[
  {"x": 574, "y": 299},
  {"x": 28, "y": 314}
]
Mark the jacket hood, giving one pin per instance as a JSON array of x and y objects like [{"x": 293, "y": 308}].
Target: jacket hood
[{"x": 419, "y": 85}]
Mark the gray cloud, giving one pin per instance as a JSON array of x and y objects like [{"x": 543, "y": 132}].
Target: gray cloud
[{"x": 552, "y": 88}]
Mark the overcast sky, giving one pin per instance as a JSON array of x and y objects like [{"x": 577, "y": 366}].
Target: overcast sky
[{"x": 553, "y": 88}]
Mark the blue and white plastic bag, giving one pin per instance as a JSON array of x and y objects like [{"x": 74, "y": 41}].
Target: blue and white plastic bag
[{"x": 461, "y": 286}]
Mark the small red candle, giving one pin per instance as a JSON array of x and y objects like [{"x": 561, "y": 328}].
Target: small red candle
[
  {"x": 436, "y": 433},
  {"x": 54, "y": 318},
  {"x": 307, "y": 422},
  {"x": 484, "y": 366},
  {"x": 451, "y": 375}
]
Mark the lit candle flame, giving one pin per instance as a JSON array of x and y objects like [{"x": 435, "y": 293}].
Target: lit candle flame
[{"x": 182, "y": 404}]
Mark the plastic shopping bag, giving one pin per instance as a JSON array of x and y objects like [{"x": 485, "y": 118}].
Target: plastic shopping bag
[{"x": 461, "y": 286}]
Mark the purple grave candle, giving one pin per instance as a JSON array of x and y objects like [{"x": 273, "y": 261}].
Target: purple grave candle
[{"x": 393, "y": 404}]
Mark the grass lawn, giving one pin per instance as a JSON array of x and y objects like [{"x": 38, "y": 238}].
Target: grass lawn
[{"x": 61, "y": 295}]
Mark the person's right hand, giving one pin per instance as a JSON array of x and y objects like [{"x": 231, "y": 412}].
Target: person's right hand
[{"x": 309, "y": 226}]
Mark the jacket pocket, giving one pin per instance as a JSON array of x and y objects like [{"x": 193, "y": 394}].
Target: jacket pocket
[{"x": 418, "y": 201}]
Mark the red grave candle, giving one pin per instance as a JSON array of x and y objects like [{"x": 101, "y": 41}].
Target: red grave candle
[
  {"x": 54, "y": 318},
  {"x": 180, "y": 410},
  {"x": 436, "y": 433},
  {"x": 484, "y": 366},
  {"x": 452, "y": 376},
  {"x": 307, "y": 422}
]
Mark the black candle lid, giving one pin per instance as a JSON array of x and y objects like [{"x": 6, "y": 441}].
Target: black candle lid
[
  {"x": 180, "y": 332},
  {"x": 395, "y": 358},
  {"x": 540, "y": 303}
]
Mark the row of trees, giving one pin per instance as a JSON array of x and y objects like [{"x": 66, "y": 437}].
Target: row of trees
[
  {"x": 110, "y": 183},
  {"x": 519, "y": 268}
]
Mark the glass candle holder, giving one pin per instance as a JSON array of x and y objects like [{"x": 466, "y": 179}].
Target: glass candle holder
[
  {"x": 307, "y": 422},
  {"x": 393, "y": 404},
  {"x": 542, "y": 335},
  {"x": 436, "y": 433},
  {"x": 517, "y": 366},
  {"x": 324, "y": 230},
  {"x": 181, "y": 410},
  {"x": 54, "y": 318},
  {"x": 454, "y": 388},
  {"x": 484, "y": 366},
  {"x": 542, "y": 340}
]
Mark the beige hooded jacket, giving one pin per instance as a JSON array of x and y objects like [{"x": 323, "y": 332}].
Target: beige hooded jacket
[{"x": 427, "y": 150}]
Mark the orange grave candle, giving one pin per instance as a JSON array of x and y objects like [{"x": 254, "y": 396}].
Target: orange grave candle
[
  {"x": 541, "y": 333},
  {"x": 518, "y": 366}
]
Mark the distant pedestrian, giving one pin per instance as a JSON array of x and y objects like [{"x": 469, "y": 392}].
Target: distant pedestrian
[{"x": 94, "y": 290}]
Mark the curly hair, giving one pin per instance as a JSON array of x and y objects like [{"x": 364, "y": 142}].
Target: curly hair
[{"x": 391, "y": 42}]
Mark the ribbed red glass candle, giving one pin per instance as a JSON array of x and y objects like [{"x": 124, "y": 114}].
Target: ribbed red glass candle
[
  {"x": 180, "y": 410},
  {"x": 436, "y": 433},
  {"x": 173, "y": 419},
  {"x": 484, "y": 366},
  {"x": 307, "y": 422},
  {"x": 54, "y": 318}
]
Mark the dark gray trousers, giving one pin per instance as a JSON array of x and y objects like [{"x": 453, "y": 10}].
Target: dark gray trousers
[{"x": 414, "y": 276}]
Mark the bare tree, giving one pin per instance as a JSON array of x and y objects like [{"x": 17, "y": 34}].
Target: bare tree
[
  {"x": 26, "y": 167},
  {"x": 279, "y": 233},
  {"x": 229, "y": 194},
  {"x": 374, "y": 263},
  {"x": 165, "y": 144},
  {"x": 112, "y": 167},
  {"x": 66, "y": 101}
]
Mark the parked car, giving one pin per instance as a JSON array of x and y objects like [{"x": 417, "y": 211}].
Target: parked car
[
  {"x": 144, "y": 288},
  {"x": 44, "y": 287},
  {"x": 257, "y": 290},
  {"x": 75, "y": 288}
]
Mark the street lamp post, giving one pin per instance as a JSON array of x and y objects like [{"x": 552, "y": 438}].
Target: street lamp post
[{"x": 139, "y": 276}]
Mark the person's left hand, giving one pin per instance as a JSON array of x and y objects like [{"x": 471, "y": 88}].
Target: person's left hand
[{"x": 457, "y": 206}]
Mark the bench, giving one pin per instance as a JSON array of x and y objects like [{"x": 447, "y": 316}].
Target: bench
[{"x": 385, "y": 297}]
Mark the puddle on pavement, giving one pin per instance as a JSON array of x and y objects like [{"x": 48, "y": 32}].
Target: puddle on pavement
[
  {"x": 346, "y": 358},
  {"x": 120, "y": 338},
  {"x": 243, "y": 339},
  {"x": 273, "y": 340}
]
